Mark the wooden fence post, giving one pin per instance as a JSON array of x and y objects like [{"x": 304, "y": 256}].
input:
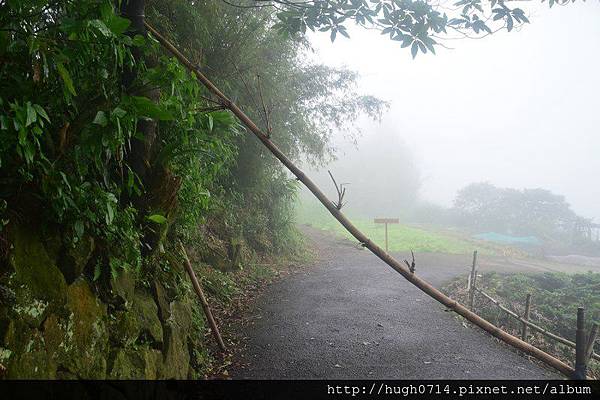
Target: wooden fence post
[
  {"x": 473, "y": 279},
  {"x": 580, "y": 372},
  {"x": 590, "y": 343},
  {"x": 526, "y": 317}
]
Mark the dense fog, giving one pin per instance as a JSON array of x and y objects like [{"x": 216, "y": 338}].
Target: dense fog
[
  {"x": 513, "y": 110},
  {"x": 515, "y": 113}
]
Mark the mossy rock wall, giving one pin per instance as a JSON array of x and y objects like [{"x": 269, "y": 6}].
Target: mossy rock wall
[{"x": 59, "y": 324}]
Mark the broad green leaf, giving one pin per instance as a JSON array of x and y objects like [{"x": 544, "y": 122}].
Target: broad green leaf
[
  {"x": 31, "y": 115},
  {"x": 110, "y": 213},
  {"x": 79, "y": 228},
  {"x": 66, "y": 77},
  {"x": 139, "y": 40},
  {"x": 159, "y": 219},
  {"x": 28, "y": 152},
  {"x": 97, "y": 271},
  {"x": 509, "y": 23},
  {"x": 414, "y": 49},
  {"x": 96, "y": 23},
  {"x": 429, "y": 43},
  {"x": 130, "y": 179},
  {"x": 41, "y": 112},
  {"x": 100, "y": 119},
  {"x": 148, "y": 108},
  {"x": 22, "y": 136},
  {"x": 118, "y": 112},
  {"x": 117, "y": 24}
]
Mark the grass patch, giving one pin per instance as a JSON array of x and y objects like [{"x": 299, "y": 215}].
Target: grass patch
[{"x": 401, "y": 237}]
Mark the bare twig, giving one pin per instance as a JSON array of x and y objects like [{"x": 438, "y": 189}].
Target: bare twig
[
  {"x": 411, "y": 266},
  {"x": 341, "y": 191},
  {"x": 264, "y": 107},
  {"x": 210, "y": 109},
  {"x": 208, "y": 99}
]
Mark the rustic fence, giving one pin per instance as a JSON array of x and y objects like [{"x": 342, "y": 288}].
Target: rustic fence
[{"x": 584, "y": 342}]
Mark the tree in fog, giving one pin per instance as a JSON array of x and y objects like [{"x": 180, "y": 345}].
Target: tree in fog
[{"x": 524, "y": 212}]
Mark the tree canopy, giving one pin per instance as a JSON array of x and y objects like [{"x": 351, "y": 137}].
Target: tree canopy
[
  {"x": 419, "y": 24},
  {"x": 528, "y": 211}
]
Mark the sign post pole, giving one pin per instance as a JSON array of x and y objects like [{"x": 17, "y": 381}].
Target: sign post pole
[
  {"x": 386, "y": 221},
  {"x": 386, "y": 238}
]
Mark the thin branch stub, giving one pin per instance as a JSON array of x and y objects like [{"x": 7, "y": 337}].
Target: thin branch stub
[
  {"x": 411, "y": 266},
  {"x": 341, "y": 191}
]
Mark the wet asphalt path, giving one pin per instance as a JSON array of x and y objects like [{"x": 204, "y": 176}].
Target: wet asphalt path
[{"x": 350, "y": 316}]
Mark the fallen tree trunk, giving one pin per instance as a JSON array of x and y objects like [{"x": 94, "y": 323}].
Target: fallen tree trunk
[{"x": 362, "y": 238}]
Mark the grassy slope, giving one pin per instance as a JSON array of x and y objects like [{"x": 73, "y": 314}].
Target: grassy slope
[{"x": 401, "y": 237}]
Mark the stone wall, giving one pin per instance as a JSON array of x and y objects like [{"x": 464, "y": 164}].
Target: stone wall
[{"x": 57, "y": 323}]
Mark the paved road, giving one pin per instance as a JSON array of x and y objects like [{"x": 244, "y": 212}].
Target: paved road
[{"x": 350, "y": 316}]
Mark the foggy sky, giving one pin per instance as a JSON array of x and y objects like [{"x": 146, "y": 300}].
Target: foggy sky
[{"x": 516, "y": 109}]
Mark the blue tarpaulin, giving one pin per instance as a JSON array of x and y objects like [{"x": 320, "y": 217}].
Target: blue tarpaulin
[{"x": 507, "y": 239}]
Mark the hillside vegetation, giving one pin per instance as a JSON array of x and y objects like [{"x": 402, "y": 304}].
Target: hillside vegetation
[
  {"x": 555, "y": 298},
  {"x": 111, "y": 153}
]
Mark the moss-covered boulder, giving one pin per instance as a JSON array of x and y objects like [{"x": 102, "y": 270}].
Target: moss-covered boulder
[
  {"x": 35, "y": 268},
  {"x": 139, "y": 363},
  {"x": 54, "y": 336},
  {"x": 177, "y": 340},
  {"x": 75, "y": 258},
  {"x": 146, "y": 311},
  {"x": 181, "y": 315},
  {"x": 27, "y": 308},
  {"x": 85, "y": 344},
  {"x": 160, "y": 296},
  {"x": 124, "y": 328},
  {"x": 141, "y": 324},
  {"x": 28, "y": 358},
  {"x": 123, "y": 288},
  {"x": 176, "y": 353}
]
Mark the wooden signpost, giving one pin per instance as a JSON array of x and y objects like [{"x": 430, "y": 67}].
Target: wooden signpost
[{"x": 386, "y": 221}]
